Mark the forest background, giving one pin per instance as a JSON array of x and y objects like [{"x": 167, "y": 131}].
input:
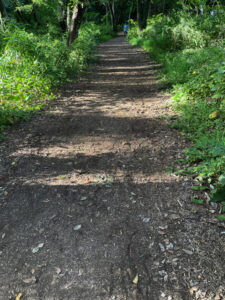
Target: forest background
[{"x": 45, "y": 43}]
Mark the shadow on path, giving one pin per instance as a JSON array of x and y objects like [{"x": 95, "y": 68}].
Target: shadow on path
[{"x": 89, "y": 180}]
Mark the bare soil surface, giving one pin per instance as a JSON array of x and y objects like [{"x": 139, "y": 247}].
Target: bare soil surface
[{"x": 88, "y": 210}]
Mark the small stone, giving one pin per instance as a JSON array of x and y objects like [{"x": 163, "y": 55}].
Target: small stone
[
  {"x": 31, "y": 280},
  {"x": 165, "y": 278},
  {"x": 161, "y": 232},
  {"x": 163, "y": 227},
  {"x": 58, "y": 271},
  {"x": 146, "y": 220},
  {"x": 169, "y": 246},
  {"x": 188, "y": 252},
  {"x": 175, "y": 259},
  {"x": 162, "y": 248},
  {"x": 193, "y": 283},
  {"x": 214, "y": 205},
  {"x": 77, "y": 227},
  {"x": 174, "y": 217},
  {"x": 81, "y": 271}
]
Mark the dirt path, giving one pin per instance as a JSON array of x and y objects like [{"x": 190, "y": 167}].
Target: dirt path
[{"x": 88, "y": 180}]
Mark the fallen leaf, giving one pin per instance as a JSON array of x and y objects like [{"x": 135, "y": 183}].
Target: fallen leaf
[
  {"x": 135, "y": 280},
  {"x": 89, "y": 181},
  {"x": 13, "y": 163},
  {"x": 213, "y": 115},
  {"x": 19, "y": 296},
  {"x": 32, "y": 271},
  {"x": 83, "y": 198}
]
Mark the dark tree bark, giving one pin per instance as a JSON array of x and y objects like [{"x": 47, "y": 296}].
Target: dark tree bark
[
  {"x": 139, "y": 15},
  {"x": 149, "y": 10},
  {"x": 78, "y": 12},
  {"x": 17, "y": 13},
  {"x": 111, "y": 7},
  {"x": 63, "y": 16},
  {"x": 131, "y": 10},
  {"x": 142, "y": 13},
  {"x": 2, "y": 8}
]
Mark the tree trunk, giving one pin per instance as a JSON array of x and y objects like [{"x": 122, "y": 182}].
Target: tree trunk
[
  {"x": 163, "y": 6},
  {"x": 63, "y": 16},
  {"x": 131, "y": 9},
  {"x": 111, "y": 8},
  {"x": 139, "y": 15},
  {"x": 149, "y": 10},
  {"x": 3, "y": 9},
  {"x": 142, "y": 13},
  {"x": 68, "y": 17},
  {"x": 78, "y": 12}
]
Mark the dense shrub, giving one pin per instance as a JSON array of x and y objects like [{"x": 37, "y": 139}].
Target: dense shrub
[
  {"x": 192, "y": 54},
  {"x": 32, "y": 64}
]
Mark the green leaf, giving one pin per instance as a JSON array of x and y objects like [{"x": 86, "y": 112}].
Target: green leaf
[
  {"x": 196, "y": 201},
  {"x": 221, "y": 218},
  {"x": 195, "y": 187},
  {"x": 222, "y": 179},
  {"x": 218, "y": 195}
]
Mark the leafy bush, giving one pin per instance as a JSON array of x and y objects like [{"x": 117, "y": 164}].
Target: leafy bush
[
  {"x": 31, "y": 65},
  {"x": 191, "y": 52}
]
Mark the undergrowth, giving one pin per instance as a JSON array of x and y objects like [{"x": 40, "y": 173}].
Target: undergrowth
[
  {"x": 33, "y": 64},
  {"x": 191, "y": 51}
]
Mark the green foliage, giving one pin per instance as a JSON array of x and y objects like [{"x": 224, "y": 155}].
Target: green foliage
[
  {"x": 32, "y": 64},
  {"x": 197, "y": 201},
  {"x": 191, "y": 51}
]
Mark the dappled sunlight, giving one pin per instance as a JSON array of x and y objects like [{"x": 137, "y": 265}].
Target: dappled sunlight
[
  {"x": 94, "y": 181},
  {"x": 76, "y": 178}
]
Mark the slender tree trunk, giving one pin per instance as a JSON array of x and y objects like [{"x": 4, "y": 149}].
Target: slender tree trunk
[
  {"x": 163, "y": 6},
  {"x": 149, "y": 10},
  {"x": 139, "y": 15},
  {"x": 2, "y": 8},
  {"x": 68, "y": 17},
  {"x": 78, "y": 12},
  {"x": 111, "y": 8},
  {"x": 131, "y": 9},
  {"x": 63, "y": 16}
]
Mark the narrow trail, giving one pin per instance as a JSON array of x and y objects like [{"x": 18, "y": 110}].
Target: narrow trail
[{"x": 88, "y": 179}]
